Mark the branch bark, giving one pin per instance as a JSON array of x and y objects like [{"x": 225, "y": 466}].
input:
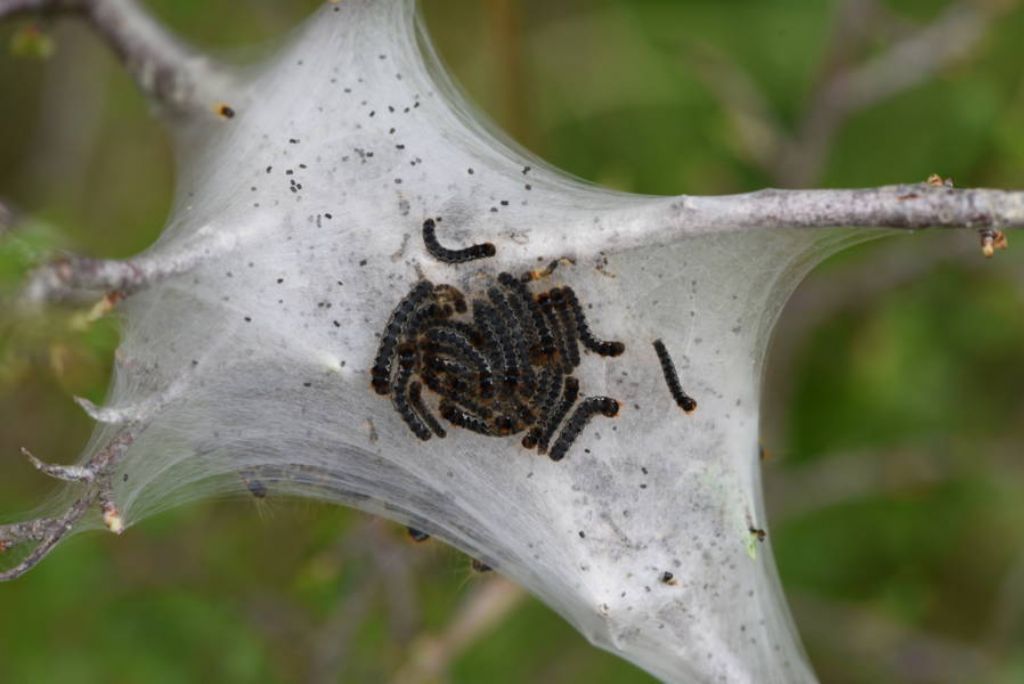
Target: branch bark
[
  {"x": 911, "y": 206},
  {"x": 95, "y": 476},
  {"x": 76, "y": 278},
  {"x": 174, "y": 76}
]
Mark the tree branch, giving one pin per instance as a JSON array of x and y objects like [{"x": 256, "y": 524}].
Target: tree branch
[
  {"x": 95, "y": 475},
  {"x": 171, "y": 74},
  {"x": 75, "y": 278},
  {"x": 921, "y": 205},
  {"x": 844, "y": 87}
]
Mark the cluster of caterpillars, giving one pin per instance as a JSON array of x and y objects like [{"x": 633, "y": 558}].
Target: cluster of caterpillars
[{"x": 499, "y": 365}]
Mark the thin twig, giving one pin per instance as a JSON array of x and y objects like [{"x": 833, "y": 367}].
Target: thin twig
[
  {"x": 1007, "y": 609},
  {"x": 65, "y": 140},
  {"x": 854, "y": 23},
  {"x": 177, "y": 77},
  {"x": 842, "y": 478},
  {"x": 905, "y": 64},
  {"x": 95, "y": 475},
  {"x": 143, "y": 410},
  {"x": 337, "y": 635},
  {"x": 486, "y": 608},
  {"x": 391, "y": 578},
  {"x": 844, "y": 89},
  {"x": 506, "y": 40},
  {"x": 395, "y": 566},
  {"x": 759, "y": 135},
  {"x": 6, "y": 217},
  {"x": 59, "y": 472}
]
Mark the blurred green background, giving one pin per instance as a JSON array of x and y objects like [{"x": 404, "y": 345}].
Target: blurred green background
[{"x": 894, "y": 411}]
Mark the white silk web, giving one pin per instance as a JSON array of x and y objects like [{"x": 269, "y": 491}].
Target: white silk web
[{"x": 253, "y": 366}]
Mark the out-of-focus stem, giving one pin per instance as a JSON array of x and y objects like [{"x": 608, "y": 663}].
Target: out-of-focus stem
[{"x": 176, "y": 77}]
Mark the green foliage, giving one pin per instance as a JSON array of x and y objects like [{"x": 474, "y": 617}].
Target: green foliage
[{"x": 31, "y": 42}]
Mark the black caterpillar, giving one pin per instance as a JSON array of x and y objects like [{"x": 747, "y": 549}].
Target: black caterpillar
[
  {"x": 668, "y": 369},
  {"x": 499, "y": 365},
  {"x": 453, "y": 256}
]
